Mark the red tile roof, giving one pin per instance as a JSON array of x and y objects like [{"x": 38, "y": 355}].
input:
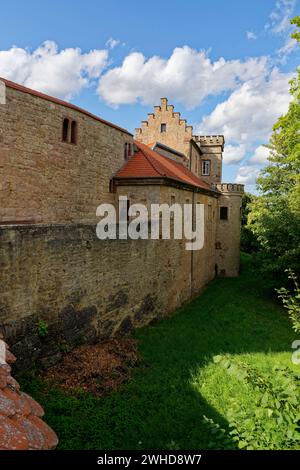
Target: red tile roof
[
  {"x": 29, "y": 91},
  {"x": 146, "y": 163},
  {"x": 21, "y": 426}
]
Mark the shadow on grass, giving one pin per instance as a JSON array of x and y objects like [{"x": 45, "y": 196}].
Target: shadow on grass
[{"x": 159, "y": 408}]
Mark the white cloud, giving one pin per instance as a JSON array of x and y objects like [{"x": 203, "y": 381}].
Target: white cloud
[
  {"x": 260, "y": 155},
  {"x": 187, "y": 76},
  {"x": 111, "y": 43},
  {"x": 251, "y": 35},
  {"x": 247, "y": 175},
  {"x": 250, "y": 111},
  {"x": 233, "y": 153},
  {"x": 279, "y": 24},
  {"x": 281, "y": 14},
  {"x": 288, "y": 47},
  {"x": 62, "y": 73}
]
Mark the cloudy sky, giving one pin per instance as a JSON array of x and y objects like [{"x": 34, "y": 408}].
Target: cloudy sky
[{"x": 225, "y": 65}]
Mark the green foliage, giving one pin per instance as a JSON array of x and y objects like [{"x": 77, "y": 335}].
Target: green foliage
[
  {"x": 249, "y": 242},
  {"x": 291, "y": 301},
  {"x": 275, "y": 215},
  {"x": 42, "y": 329},
  {"x": 296, "y": 34},
  {"x": 274, "y": 421},
  {"x": 177, "y": 383},
  {"x": 220, "y": 438}
]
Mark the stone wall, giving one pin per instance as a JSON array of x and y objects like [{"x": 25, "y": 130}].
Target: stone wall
[
  {"x": 46, "y": 180},
  {"x": 84, "y": 288},
  {"x": 53, "y": 269},
  {"x": 229, "y": 231}
]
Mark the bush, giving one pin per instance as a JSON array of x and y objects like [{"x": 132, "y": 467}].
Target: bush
[
  {"x": 291, "y": 300},
  {"x": 274, "y": 421}
]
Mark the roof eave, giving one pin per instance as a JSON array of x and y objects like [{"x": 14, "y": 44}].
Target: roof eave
[{"x": 161, "y": 180}]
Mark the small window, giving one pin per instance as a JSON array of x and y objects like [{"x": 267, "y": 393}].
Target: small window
[
  {"x": 127, "y": 150},
  {"x": 224, "y": 213},
  {"x": 205, "y": 167},
  {"x": 74, "y": 132},
  {"x": 163, "y": 127},
  {"x": 65, "y": 130}
]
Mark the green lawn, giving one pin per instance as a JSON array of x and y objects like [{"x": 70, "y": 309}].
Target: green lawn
[{"x": 162, "y": 407}]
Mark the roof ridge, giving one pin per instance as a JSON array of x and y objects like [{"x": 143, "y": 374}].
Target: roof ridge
[
  {"x": 53, "y": 99},
  {"x": 151, "y": 164}
]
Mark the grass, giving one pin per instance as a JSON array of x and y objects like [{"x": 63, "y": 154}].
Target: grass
[{"x": 177, "y": 383}]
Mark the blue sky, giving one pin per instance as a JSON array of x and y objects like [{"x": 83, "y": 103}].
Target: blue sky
[{"x": 225, "y": 65}]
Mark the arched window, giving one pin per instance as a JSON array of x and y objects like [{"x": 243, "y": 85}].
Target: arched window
[
  {"x": 65, "y": 130},
  {"x": 74, "y": 132}
]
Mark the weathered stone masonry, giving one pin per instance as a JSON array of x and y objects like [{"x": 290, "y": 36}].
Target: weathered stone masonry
[{"x": 52, "y": 266}]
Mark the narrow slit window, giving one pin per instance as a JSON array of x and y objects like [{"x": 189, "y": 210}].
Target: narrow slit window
[
  {"x": 65, "y": 130},
  {"x": 74, "y": 132},
  {"x": 224, "y": 213},
  {"x": 163, "y": 127},
  {"x": 125, "y": 151}
]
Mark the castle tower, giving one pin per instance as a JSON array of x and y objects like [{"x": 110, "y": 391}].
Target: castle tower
[
  {"x": 211, "y": 147},
  {"x": 203, "y": 153},
  {"x": 229, "y": 229},
  {"x": 167, "y": 127}
]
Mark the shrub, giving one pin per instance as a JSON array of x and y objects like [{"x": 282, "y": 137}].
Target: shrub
[
  {"x": 42, "y": 328},
  {"x": 291, "y": 300},
  {"x": 273, "y": 423}
]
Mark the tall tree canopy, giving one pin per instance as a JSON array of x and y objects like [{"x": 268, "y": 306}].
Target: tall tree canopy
[{"x": 275, "y": 215}]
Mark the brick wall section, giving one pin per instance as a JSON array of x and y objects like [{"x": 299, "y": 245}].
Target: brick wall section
[{"x": 45, "y": 180}]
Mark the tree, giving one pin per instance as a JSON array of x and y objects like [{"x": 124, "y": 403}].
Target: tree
[
  {"x": 275, "y": 215},
  {"x": 249, "y": 242}
]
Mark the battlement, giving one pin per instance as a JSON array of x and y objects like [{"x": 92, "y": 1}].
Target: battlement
[
  {"x": 209, "y": 140},
  {"x": 230, "y": 188}
]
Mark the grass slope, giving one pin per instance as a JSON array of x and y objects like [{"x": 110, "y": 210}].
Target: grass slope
[{"x": 177, "y": 383}]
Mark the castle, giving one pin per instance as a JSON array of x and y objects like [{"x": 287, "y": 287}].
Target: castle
[{"x": 58, "y": 163}]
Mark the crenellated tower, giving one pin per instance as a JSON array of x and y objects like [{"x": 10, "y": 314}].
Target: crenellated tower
[
  {"x": 211, "y": 149},
  {"x": 229, "y": 229}
]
